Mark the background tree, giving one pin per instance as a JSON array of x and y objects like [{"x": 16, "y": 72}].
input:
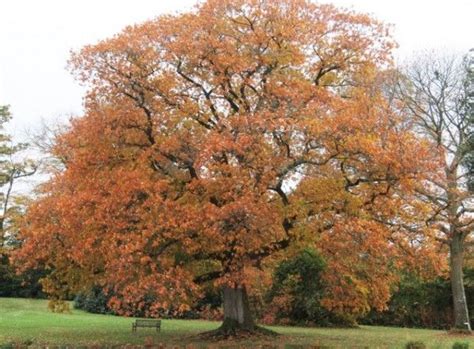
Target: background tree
[
  {"x": 469, "y": 95},
  {"x": 42, "y": 141},
  {"x": 12, "y": 168},
  {"x": 216, "y": 142},
  {"x": 433, "y": 90}
]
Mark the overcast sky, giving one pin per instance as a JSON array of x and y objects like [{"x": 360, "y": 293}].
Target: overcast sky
[{"x": 36, "y": 37}]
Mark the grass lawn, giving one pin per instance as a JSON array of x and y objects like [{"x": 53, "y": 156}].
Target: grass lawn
[{"x": 27, "y": 320}]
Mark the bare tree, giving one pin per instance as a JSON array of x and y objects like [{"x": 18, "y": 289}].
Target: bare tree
[
  {"x": 11, "y": 170},
  {"x": 432, "y": 88},
  {"x": 43, "y": 141}
]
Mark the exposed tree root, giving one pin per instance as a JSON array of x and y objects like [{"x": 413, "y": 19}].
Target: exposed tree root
[{"x": 232, "y": 330}]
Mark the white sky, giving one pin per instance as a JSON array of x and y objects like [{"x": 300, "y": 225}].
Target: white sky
[{"x": 36, "y": 37}]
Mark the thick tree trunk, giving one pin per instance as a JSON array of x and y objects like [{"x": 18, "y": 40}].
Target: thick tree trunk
[
  {"x": 238, "y": 318},
  {"x": 237, "y": 314},
  {"x": 461, "y": 313}
]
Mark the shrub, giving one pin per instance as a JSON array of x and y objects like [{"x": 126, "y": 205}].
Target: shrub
[
  {"x": 415, "y": 345},
  {"x": 296, "y": 292},
  {"x": 26, "y": 285},
  {"x": 418, "y": 303},
  {"x": 15, "y": 345},
  {"x": 58, "y": 306},
  {"x": 94, "y": 301},
  {"x": 459, "y": 345}
]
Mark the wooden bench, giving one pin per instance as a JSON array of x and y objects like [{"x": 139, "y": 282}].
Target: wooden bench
[{"x": 150, "y": 323}]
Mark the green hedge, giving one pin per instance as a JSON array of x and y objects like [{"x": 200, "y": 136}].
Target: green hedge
[{"x": 423, "y": 304}]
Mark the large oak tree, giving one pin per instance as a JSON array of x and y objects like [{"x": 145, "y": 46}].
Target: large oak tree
[{"x": 216, "y": 141}]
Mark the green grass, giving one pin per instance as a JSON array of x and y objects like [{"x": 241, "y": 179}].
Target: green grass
[{"x": 23, "y": 320}]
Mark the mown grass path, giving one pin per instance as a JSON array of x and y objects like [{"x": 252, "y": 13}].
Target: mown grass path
[{"x": 29, "y": 321}]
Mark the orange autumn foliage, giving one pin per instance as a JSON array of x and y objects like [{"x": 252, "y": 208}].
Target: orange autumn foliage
[{"x": 215, "y": 142}]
